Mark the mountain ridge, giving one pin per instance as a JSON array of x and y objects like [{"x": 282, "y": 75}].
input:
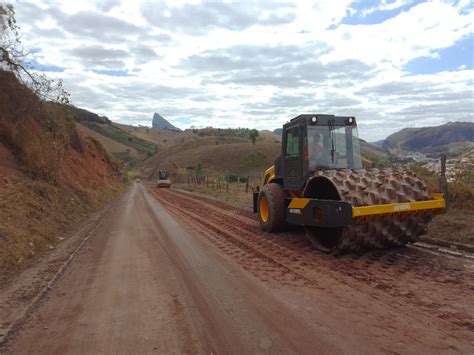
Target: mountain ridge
[{"x": 432, "y": 139}]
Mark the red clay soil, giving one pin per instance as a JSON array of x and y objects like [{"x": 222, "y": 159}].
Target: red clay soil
[
  {"x": 89, "y": 169},
  {"x": 417, "y": 287}
]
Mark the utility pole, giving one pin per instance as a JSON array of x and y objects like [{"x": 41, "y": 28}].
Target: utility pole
[{"x": 443, "y": 182}]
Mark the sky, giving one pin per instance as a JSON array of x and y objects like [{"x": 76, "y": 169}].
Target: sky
[{"x": 392, "y": 63}]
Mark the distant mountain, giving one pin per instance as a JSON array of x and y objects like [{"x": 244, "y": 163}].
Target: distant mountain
[
  {"x": 278, "y": 131},
  {"x": 432, "y": 139},
  {"x": 378, "y": 144},
  {"x": 161, "y": 123},
  {"x": 371, "y": 151}
]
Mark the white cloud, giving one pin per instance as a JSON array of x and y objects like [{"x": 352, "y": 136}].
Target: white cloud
[
  {"x": 385, "y": 5},
  {"x": 418, "y": 32},
  {"x": 251, "y": 63}
]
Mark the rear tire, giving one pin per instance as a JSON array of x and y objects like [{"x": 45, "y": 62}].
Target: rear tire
[{"x": 271, "y": 208}]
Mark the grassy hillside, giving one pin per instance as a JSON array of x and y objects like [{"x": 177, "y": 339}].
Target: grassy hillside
[
  {"x": 214, "y": 150},
  {"x": 117, "y": 134},
  {"x": 228, "y": 154},
  {"x": 118, "y": 141},
  {"x": 163, "y": 138},
  {"x": 112, "y": 146},
  {"x": 82, "y": 115},
  {"x": 51, "y": 176},
  {"x": 177, "y": 150}
]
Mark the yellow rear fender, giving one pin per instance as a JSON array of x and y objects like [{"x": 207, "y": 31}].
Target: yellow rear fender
[{"x": 269, "y": 175}]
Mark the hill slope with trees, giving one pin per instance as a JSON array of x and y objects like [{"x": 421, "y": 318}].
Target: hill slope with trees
[{"x": 436, "y": 139}]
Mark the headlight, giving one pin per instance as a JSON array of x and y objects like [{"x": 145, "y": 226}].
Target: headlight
[{"x": 314, "y": 119}]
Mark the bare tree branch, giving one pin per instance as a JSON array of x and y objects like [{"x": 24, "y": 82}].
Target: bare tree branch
[{"x": 12, "y": 57}]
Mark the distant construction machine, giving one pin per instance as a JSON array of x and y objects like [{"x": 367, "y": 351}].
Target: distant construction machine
[
  {"x": 163, "y": 180},
  {"x": 318, "y": 182}
]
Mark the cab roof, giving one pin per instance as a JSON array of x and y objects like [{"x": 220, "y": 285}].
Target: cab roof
[{"x": 321, "y": 120}]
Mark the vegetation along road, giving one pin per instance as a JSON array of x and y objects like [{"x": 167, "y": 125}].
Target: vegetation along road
[{"x": 171, "y": 272}]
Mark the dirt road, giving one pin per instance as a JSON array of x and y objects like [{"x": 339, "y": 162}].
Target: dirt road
[{"x": 169, "y": 272}]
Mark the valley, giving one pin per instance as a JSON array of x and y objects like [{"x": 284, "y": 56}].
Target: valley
[{"x": 208, "y": 177}]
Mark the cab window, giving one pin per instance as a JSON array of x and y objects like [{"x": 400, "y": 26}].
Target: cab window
[{"x": 292, "y": 142}]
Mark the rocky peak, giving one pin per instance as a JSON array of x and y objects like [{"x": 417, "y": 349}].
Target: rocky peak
[{"x": 159, "y": 122}]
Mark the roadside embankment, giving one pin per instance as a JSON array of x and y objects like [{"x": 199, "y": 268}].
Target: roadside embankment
[{"x": 51, "y": 176}]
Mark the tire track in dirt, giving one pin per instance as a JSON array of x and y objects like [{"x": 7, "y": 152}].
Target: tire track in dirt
[{"x": 440, "y": 286}]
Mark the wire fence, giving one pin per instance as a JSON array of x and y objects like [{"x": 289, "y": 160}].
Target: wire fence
[{"x": 222, "y": 181}]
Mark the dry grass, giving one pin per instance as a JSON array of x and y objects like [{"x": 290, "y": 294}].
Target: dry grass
[
  {"x": 34, "y": 214},
  {"x": 460, "y": 195},
  {"x": 236, "y": 194},
  {"x": 455, "y": 225}
]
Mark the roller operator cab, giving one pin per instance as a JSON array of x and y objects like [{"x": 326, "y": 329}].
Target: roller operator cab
[
  {"x": 163, "y": 180},
  {"x": 318, "y": 182},
  {"x": 162, "y": 174},
  {"x": 316, "y": 142}
]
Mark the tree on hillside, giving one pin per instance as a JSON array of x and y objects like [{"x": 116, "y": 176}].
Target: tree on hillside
[
  {"x": 255, "y": 160},
  {"x": 13, "y": 57},
  {"x": 198, "y": 169},
  {"x": 253, "y": 135}
]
